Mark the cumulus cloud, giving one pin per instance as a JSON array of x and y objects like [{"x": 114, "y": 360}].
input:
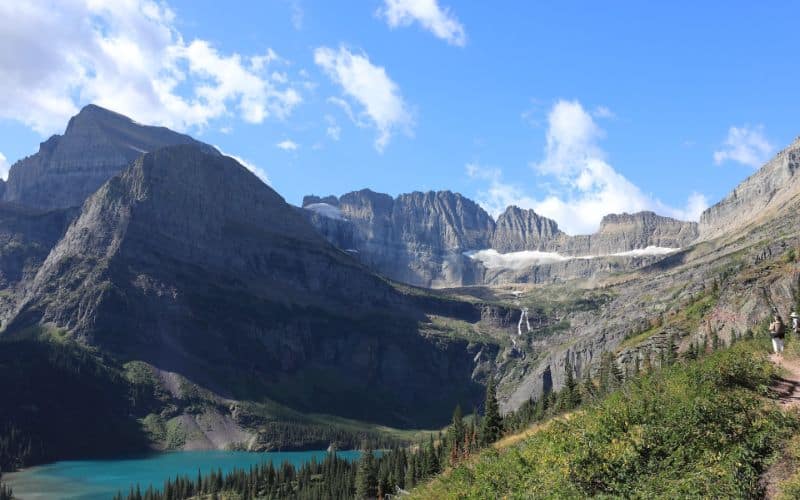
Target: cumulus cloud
[
  {"x": 746, "y": 145},
  {"x": 370, "y": 86},
  {"x": 288, "y": 145},
  {"x": 581, "y": 185},
  {"x": 498, "y": 195},
  {"x": 128, "y": 56},
  {"x": 439, "y": 21},
  {"x": 4, "y": 166}
]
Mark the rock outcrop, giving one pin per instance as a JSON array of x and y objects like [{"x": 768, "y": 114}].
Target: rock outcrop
[
  {"x": 625, "y": 232},
  {"x": 417, "y": 238},
  {"x": 96, "y": 145},
  {"x": 518, "y": 229},
  {"x": 767, "y": 190}
]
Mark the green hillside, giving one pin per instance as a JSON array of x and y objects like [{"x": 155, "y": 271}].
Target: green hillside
[{"x": 697, "y": 429}]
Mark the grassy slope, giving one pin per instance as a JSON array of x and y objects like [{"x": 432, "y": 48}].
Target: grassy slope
[{"x": 696, "y": 429}]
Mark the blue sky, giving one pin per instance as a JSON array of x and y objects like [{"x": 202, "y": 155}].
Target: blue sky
[{"x": 565, "y": 107}]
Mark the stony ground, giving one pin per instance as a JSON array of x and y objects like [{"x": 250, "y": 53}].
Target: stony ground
[{"x": 787, "y": 388}]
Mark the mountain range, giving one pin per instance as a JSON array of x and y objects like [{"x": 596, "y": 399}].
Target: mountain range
[
  {"x": 426, "y": 239},
  {"x": 230, "y": 318}
]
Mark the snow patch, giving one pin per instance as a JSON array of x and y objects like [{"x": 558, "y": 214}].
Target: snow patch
[
  {"x": 651, "y": 250},
  {"x": 492, "y": 259},
  {"x": 326, "y": 210}
]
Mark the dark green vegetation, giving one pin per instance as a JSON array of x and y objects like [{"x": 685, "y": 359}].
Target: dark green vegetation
[
  {"x": 696, "y": 429},
  {"x": 61, "y": 400}
]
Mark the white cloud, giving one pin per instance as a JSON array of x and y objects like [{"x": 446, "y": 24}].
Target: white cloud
[
  {"x": 439, "y": 21},
  {"x": 288, "y": 145},
  {"x": 746, "y": 145},
  {"x": 499, "y": 195},
  {"x": 334, "y": 131},
  {"x": 4, "y": 166},
  {"x": 603, "y": 112},
  {"x": 129, "y": 56},
  {"x": 371, "y": 87},
  {"x": 583, "y": 186},
  {"x": 297, "y": 15},
  {"x": 260, "y": 173}
]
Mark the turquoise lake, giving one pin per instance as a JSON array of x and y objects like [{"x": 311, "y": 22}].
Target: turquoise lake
[{"x": 102, "y": 479}]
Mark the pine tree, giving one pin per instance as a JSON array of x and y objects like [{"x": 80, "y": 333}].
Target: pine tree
[
  {"x": 366, "y": 476},
  {"x": 456, "y": 434},
  {"x": 587, "y": 388},
  {"x": 492, "y": 425},
  {"x": 672, "y": 349},
  {"x": 410, "y": 479},
  {"x": 572, "y": 396}
]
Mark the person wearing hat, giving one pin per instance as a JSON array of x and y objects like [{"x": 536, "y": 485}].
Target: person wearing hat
[{"x": 795, "y": 321}]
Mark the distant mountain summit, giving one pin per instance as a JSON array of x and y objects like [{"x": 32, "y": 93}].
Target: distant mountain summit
[
  {"x": 761, "y": 195},
  {"x": 425, "y": 239},
  {"x": 96, "y": 145}
]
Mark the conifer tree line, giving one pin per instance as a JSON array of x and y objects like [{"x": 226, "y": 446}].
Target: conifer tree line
[{"x": 377, "y": 474}]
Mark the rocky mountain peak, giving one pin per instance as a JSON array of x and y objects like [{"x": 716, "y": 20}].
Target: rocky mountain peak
[
  {"x": 761, "y": 195},
  {"x": 96, "y": 145},
  {"x": 314, "y": 199},
  {"x": 520, "y": 229}
]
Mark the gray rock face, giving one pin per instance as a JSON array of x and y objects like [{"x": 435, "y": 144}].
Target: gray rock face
[
  {"x": 767, "y": 190},
  {"x": 26, "y": 237},
  {"x": 421, "y": 238},
  {"x": 185, "y": 260},
  {"x": 96, "y": 145},
  {"x": 418, "y": 238},
  {"x": 519, "y": 229},
  {"x": 625, "y": 232}
]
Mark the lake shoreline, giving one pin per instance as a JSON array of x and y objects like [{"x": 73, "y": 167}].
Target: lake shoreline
[{"x": 97, "y": 479}]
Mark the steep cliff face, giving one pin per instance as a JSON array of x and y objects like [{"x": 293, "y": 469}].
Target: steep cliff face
[
  {"x": 26, "y": 237},
  {"x": 417, "y": 238},
  {"x": 625, "y": 232},
  {"x": 96, "y": 145},
  {"x": 519, "y": 230},
  {"x": 422, "y": 238},
  {"x": 188, "y": 262},
  {"x": 769, "y": 189}
]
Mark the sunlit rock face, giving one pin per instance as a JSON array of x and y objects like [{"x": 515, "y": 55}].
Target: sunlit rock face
[
  {"x": 762, "y": 194},
  {"x": 96, "y": 145},
  {"x": 434, "y": 239}
]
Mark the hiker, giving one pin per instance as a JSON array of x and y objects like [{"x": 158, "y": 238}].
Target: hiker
[
  {"x": 795, "y": 321},
  {"x": 777, "y": 331}
]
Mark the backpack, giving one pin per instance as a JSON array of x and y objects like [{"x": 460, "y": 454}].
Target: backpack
[{"x": 779, "y": 330}]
